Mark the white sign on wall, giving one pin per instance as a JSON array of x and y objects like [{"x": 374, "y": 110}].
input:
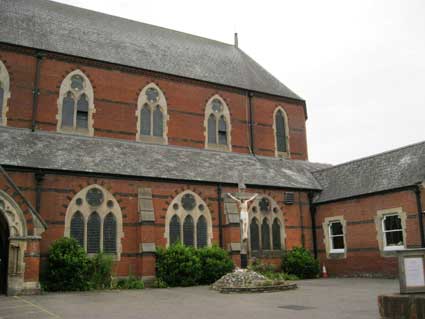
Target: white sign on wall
[{"x": 414, "y": 270}]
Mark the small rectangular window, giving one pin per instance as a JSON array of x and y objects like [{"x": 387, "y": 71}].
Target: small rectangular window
[
  {"x": 392, "y": 230},
  {"x": 336, "y": 237}
]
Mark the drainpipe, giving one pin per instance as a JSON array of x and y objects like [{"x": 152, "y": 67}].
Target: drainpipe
[
  {"x": 39, "y": 177},
  {"x": 220, "y": 217},
  {"x": 36, "y": 90},
  {"x": 251, "y": 123},
  {"x": 420, "y": 214},
  {"x": 313, "y": 221}
]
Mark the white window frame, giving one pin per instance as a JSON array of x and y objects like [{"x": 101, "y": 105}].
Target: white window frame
[
  {"x": 384, "y": 239},
  {"x": 331, "y": 236}
]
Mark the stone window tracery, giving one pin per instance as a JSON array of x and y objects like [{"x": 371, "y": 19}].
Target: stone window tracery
[
  {"x": 266, "y": 225},
  {"x": 4, "y": 93},
  {"x": 94, "y": 219},
  {"x": 76, "y": 104},
  {"x": 281, "y": 132},
  {"x": 152, "y": 115},
  {"x": 188, "y": 220},
  {"x": 217, "y": 125}
]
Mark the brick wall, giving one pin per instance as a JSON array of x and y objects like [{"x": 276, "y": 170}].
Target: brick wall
[
  {"x": 363, "y": 254},
  {"x": 116, "y": 91},
  {"x": 58, "y": 191}
]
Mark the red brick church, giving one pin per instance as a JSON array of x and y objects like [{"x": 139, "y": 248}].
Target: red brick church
[{"x": 128, "y": 136}]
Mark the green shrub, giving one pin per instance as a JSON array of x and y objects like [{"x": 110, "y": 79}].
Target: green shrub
[
  {"x": 130, "y": 283},
  {"x": 159, "y": 283},
  {"x": 101, "y": 271},
  {"x": 279, "y": 276},
  {"x": 215, "y": 263},
  {"x": 178, "y": 265},
  {"x": 301, "y": 263},
  {"x": 262, "y": 268},
  {"x": 68, "y": 267}
]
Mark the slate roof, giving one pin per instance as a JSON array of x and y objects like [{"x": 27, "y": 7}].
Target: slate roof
[
  {"x": 390, "y": 170},
  {"x": 23, "y": 148},
  {"x": 79, "y": 32}
]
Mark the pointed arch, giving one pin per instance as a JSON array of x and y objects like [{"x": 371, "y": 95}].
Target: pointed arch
[
  {"x": 265, "y": 234},
  {"x": 217, "y": 125},
  {"x": 152, "y": 115},
  {"x": 268, "y": 218},
  {"x": 281, "y": 132},
  {"x": 188, "y": 218},
  {"x": 276, "y": 236},
  {"x": 4, "y": 93},
  {"x": 77, "y": 228},
  {"x": 76, "y": 104},
  {"x": 254, "y": 235},
  {"x": 102, "y": 216},
  {"x": 174, "y": 230}
]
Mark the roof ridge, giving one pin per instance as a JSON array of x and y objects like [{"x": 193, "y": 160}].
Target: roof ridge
[
  {"x": 136, "y": 21},
  {"x": 370, "y": 156}
]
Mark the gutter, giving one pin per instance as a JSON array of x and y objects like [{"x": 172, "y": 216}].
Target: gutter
[
  {"x": 220, "y": 217},
  {"x": 417, "y": 192},
  {"x": 36, "y": 90},
  {"x": 313, "y": 222},
  {"x": 250, "y": 95}
]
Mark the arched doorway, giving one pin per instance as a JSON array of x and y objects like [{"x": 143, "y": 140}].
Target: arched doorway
[{"x": 4, "y": 253}]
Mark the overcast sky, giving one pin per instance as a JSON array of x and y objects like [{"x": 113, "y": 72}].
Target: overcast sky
[{"x": 360, "y": 65}]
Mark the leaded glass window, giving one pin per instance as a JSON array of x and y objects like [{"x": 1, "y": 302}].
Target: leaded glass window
[
  {"x": 277, "y": 244},
  {"x": 158, "y": 122},
  {"x": 217, "y": 121},
  {"x": 201, "y": 232},
  {"x": 174, "y": 230},
  {"x": 393, "y": 232},
  {"x": 265, "y": 235},
  {"x": 222, "y": 131},
  {"x": 188, "y": 231},
  {"x": 188, "y": 202},
  {"x": 212, "y": 128},
  {"x": 83, "y": 112},
  {"x": 68, "y": 110},
  {"x": 281, "y": 138},
  {"x": 264, "y": 205},
  {"x": 254, "y": 235},
  {"x": 152, "y": 114},
  {"x": 77, "y": 228},
  {"x": 93, "y": 233},
  {"x": 145, "y": 120},
  {"x": 110, "y": 234},
  {"x": 75, "y": 104}
]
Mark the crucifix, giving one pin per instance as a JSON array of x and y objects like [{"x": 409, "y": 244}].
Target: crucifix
[{"x": 243, "y": 200}]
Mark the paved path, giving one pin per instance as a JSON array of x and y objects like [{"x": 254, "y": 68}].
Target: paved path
[{"x": 324, "y": 298}]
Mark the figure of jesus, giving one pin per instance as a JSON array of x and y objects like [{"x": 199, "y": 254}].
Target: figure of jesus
[{"x": 243, "y": 206}]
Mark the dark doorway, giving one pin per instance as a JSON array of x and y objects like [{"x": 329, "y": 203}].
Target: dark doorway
[{"x": 4, "y": 253}]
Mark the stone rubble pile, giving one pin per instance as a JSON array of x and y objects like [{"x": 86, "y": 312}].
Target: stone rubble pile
[{"x": 238, "y": 279}]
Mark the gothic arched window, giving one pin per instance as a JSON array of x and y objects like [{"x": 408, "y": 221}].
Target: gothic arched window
[
  {"x": 75, "y": 104},
  {"x": 110, "y": 234},
  {"x": 188, "y": 231},
  {"x": 152, "y": 115},
  {"x": 202, "y": 232},
  {"x": 277, "y": 242},
  {"x": 4, "y": 93},
  {"x": 265, "y": 235},
  {"x": 281, "y": 132},
  {"x": 188, "y": 218},
  {"x": 94, "y": 219},
  {"x": 77, "y": 228},
  {"x": 93, "y": 233},
  {"x": 174, "y": 230},
  {"x": 255, "y": 235},
  {"x": 217, "y": 125}
]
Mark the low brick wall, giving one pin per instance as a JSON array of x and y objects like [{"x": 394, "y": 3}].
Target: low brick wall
[{"x": 402, "y": 306}]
